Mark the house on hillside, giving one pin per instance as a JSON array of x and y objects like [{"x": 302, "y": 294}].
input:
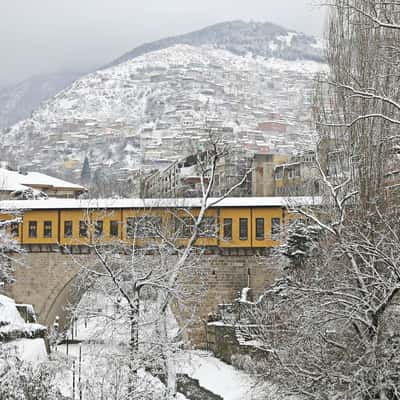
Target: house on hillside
[{"x": 14, "y": 184}]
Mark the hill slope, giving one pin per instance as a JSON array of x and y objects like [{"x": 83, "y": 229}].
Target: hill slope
[
  {"x": 148, "y": 111},
  {"x": 259, "y": 38}
]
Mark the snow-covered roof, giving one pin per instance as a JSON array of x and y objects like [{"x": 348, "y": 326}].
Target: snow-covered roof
[
  {"x": 55, "y": 204},
  {"x": 13, "y": 181}
]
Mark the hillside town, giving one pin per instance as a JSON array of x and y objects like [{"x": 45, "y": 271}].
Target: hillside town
[{"x": 145, "y": 113}]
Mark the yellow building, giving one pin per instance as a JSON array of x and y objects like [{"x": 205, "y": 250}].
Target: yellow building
[{"x": 253, "y": 222}]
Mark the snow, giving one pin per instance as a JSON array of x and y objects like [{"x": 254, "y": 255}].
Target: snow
[
  {"x": 95, "y": 360},
  {"x": 243, "y": 296},
  {"x": 11, "y": 322},
  {"x": 223, "y": 379},
  {"x": 212, "y": 374},
  {"x": 14, "y": 181},
  {"x": 287, "y": 39},
  {"x": 8, "y": 312},
  {"x": 49, "y": 204},
  {"x": 30, "y": 350}
]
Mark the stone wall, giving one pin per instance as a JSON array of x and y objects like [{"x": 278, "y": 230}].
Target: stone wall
[
  {"x": 223, "y": 278},
  {"x": 222, "y": 340}
]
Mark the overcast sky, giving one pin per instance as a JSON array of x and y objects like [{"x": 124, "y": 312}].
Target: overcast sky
[{"x": 42, "y": 36}]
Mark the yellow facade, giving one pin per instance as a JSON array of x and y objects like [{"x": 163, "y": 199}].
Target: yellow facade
[
  {"x": 209, "y": 231},
  {"x": 226, "y": 227},
  {"x": 106, "y": 217},
  {"x": 39, "y": 218},
  {"x": 235, "y": 215},
  {"x": 270, "y": 239},
  {"x": 73, "y": 218}
]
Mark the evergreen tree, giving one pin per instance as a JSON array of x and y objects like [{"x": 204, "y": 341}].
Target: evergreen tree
[{"x": 85, "y": 175}]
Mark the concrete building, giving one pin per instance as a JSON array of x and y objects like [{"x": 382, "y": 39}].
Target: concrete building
[
  {"x": 182, "y": 178},
  {"x": 299, "y": 176},
  {"x": 263, "y": 173}
]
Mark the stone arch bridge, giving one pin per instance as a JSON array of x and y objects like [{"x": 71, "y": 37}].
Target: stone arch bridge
[{"x": 46, "y": 279}]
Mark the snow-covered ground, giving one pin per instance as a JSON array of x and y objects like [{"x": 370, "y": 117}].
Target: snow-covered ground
[
  {"x": 101, "y": 340},
  {"x": 29, "y": 350},
  {"x": 221, "y": 378},
  {"x": 12, "y": 326},
  {"x": 212, "y": 374},
  {"x": 95, "y": 361}
]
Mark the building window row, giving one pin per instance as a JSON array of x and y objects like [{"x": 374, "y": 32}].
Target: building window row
[
  {"x": 141, "y": 227},
  {"x": 83, "y": 228},
  {"x": 33, "y": 229},
  {"x": 244, "y": 228}
]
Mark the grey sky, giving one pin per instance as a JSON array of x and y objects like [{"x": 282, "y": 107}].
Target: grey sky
[{"x": 42, "y": 36}]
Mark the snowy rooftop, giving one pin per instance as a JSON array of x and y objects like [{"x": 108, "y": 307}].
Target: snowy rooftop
[
  {"x": 13, "y": 180},
  {"x": 49, "y": 204}
]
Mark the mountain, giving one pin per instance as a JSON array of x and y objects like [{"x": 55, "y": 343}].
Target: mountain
[
  {"x": 19, "y": 100},
  {"x": 259, "y": 38},
  {"x": 148, "y": 111}
]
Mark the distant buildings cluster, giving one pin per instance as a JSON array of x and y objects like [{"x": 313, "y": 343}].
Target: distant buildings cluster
[
  {"x": 146, "y": 115},
  {"x": 270, "y": 174}
]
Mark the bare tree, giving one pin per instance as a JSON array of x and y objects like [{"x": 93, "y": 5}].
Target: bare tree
[
  {"x": 8, "y": 245},
  {"x": 329, "y": 328},
  {"x": 130, "y": 276}
]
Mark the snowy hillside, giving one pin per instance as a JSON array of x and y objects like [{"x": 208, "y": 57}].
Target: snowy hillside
[
  {"x": 265, "y": 39},
  {"x": 259, "y": 38},
  {"x": 146, "y": 111}
]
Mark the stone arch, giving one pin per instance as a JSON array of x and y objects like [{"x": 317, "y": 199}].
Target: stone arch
[{"x": 46, "y": 280}]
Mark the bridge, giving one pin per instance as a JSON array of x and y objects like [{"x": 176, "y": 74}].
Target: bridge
[{"x": 59, "y": 235}]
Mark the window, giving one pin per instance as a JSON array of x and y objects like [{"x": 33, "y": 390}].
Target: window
[
  {"x": 47, "y": 231},
  {"x": 98, "y": 228},
  {"x": 14, "y": 229},
  {"x": 67, "y": 229},
  {"x": 243, "y": 228},
  {"x": 113, "y": 228},
  {"x": 32, "y": 229},
  {"x": 83, "y": 230},
  {"x": 275, "y": 228},
  {"x": 259, "y": 228},
  {"x": 228, "y": 228}
]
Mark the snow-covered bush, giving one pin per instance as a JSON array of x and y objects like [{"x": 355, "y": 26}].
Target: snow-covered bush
[
  {"x": 21, "y": 380},
  {"x": 7, "y": 246},
  {"x": 12, "y": 326}
]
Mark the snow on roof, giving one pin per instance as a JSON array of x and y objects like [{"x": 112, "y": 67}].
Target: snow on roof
[
  {"x": 8, "y": 311},
  {"x": 55, "y": 204},
  {"x": 13, "y": 180}
]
